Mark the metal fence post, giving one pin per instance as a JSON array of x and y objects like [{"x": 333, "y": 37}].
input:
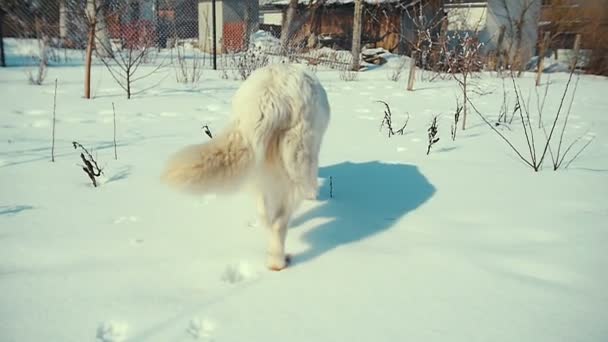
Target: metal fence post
[
  {"x": 2, "y": 60},
  {"x": 214, "y": 22}
]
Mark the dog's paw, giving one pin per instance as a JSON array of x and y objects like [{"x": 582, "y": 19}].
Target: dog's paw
[{"x": 277, "y": 263}]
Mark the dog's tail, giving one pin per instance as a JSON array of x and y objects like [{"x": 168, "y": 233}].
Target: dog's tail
[{"x": 220, "y": 165}]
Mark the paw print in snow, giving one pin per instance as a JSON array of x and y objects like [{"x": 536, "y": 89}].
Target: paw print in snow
[
  {"x": 201, "y": 329},
  {"x": 112, "y": 332},
  {"x": 236, "y": 273},
  {"x": 123, "y": 219}
]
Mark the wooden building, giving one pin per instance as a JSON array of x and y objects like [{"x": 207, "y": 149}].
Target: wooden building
[{"x": 387, "y": 24}]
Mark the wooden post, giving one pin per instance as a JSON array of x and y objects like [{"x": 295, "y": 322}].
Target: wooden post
[
  {"x": 412, "y": 76},
  {"x": 356, "y": 48},
  {"x": 541, "y": 57},
  {"x": 577, "y": 46}
]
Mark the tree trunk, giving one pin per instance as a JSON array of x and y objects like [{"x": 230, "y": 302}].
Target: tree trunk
[
  {"x": 286, "y": 28},
  {"x": 518, "y": 58},
  {"x": 88, "y": 58},
  {"x": 403, "y": 20},
  {"x": 128, "y": 84},
  {"x": 102, "y": 35},
  {"x": 499, "y": 50},
  {"x": 356, "y": 48},
  {"x": 96, "y": 12}
]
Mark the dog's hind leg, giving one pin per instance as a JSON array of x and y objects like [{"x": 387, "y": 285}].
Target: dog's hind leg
[
  {"x": 277, "y": 259},
  {"x": 262, "y": 209},
  {"x": 278, "y": 205}
]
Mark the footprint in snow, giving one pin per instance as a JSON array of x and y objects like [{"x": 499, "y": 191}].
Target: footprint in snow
[
  {"x": 168, "y": 114},
  {"x": 365, "y": 93},
  {"x": 127, "y": 219},
  {"x": 111, "y": 90},
  {"x": 362, "y": 110},
  {"x": 238, "y": 272},
  {"x": 213, "y": 108},
  {"x": 40, "y": 123},
  {"x": 367, "y": 117},
  {"x": 112, "y": 331},
  {"x": 201, "y": 329},
  {"x": 106, "y": 112},
  {"x": 37, "y": 112},
  {"x": 401, "y": 149},
  {"x": 255, "y": 223},
  {"x": 416, "y": 140},
  {"x": 589, "y": 136},
  {"x": 136, "y": 242}
]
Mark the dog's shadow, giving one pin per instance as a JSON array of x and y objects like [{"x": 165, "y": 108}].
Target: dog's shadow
[{"x": 367, "y": 199}]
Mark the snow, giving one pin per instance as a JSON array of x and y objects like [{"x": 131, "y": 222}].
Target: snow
[{"x": 465, "y": 244}]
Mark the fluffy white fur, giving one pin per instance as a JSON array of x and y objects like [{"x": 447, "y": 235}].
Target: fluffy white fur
[{"x": 280, "y": 113}]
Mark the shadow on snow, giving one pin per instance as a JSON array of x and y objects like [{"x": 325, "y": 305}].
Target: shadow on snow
[{"x": 367, "y": 199}]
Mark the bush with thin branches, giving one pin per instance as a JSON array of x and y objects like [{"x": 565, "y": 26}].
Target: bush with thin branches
[
  {"x": 125, "y": 58},
  {"x": 536, "y": 150}
]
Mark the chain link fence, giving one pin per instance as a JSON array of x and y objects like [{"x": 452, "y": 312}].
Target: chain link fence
[
  {"x": 229, "y": 34},
  {"x": 229, "y": 30}
]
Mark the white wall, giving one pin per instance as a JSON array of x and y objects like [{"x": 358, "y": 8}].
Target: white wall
[
  {"x": 507, "y": 13},
  {"x": 467, "y": 18},
  {"x": 272, "y": 18}
]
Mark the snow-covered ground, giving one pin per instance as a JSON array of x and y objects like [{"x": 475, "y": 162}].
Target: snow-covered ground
[{"x": 465, "y": 244}]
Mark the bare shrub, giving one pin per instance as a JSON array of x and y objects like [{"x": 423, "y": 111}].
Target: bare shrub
[
  {"x": 433, "y": 130},
  {"x": 189, "y": 69},
  {"x": 249, "y": 61},
  {"x": 395, "y": 72},
  {"x": 125, "y": 57},
  {"x": 454, "y": 127},
  {"x": 207, "y": 131},
  {"x": 423, "y": 28},
  {"x": 90, "y": 167},
  {"x": 388, "y": 121},
  {"x": 38, "y": 76},
  {"x": 535, "y": 151}
]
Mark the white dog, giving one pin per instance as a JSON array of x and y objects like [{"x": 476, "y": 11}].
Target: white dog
[{"x": 280, "y": 114}]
